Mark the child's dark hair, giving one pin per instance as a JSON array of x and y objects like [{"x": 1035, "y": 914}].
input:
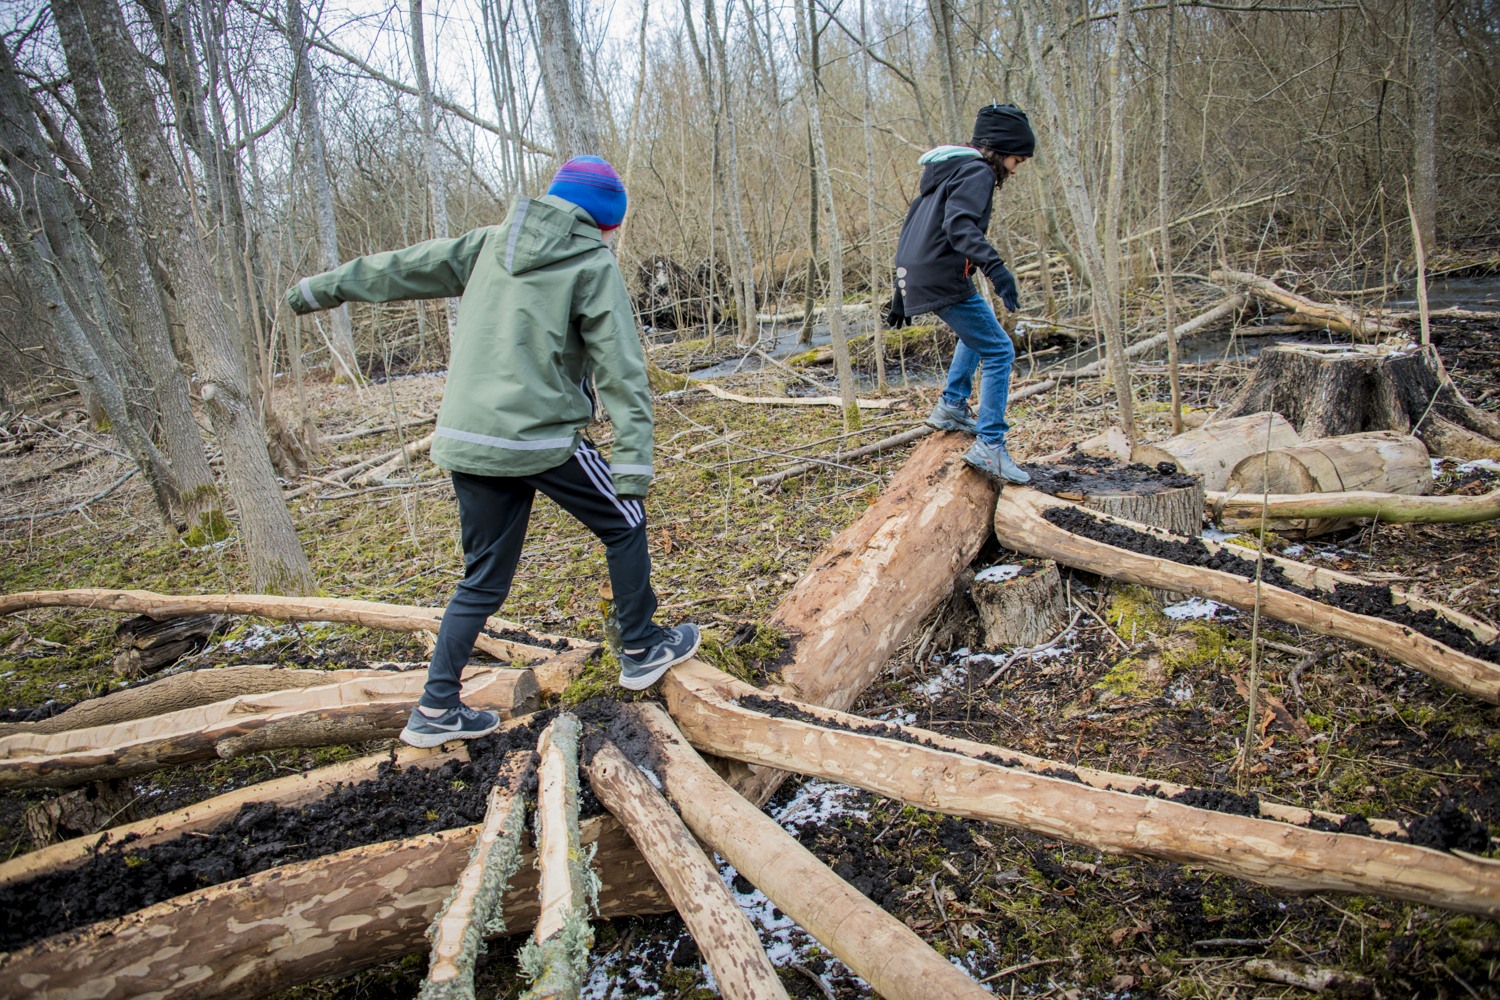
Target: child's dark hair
[{"x": 996, "y": 160}]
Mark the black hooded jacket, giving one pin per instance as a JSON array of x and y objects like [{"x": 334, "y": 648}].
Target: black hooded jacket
[{"x": 943, "y": 241}]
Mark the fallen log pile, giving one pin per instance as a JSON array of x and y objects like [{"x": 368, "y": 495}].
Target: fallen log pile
[{"x": 866, "y": 593}]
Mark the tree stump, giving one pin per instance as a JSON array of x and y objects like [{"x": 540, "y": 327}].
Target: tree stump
[
  {"x": 1335, "y": 391},
  {"x": 80, "y": 812},
  {"x": 1213, "y": 450},
  {"x": 152, "y": 644},
  {"x": 1176, "y": 509},
  {"x": 1383, "y": 461},
  {"x": 1020, "y": 603}
]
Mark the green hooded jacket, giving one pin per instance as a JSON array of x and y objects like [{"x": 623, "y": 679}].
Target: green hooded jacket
[{"x": 543, "y": 307}]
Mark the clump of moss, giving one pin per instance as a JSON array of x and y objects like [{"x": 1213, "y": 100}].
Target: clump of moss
[
  {"x": 212, "y": 526},
  {"x": 752, "y": 654}
]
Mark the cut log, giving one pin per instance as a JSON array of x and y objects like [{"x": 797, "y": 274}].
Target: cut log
[
  {"x": 1332, "y": 391},
  {"x": 1361, "y": 326},
  {"x": 351, "y": 712},
  {"x": 879, "y": 948},
  {"x": 393, "y": 617},
  {"x": 1379, "y": 461},
  {"x": 734, "y": 397},
  {"x": 188, "y": 689},
  {"x": 280, "y": 928},
  {"x": 877, "y": 580},
  {"x": 152, "y": 644},
  {"x": 1019, "y": 524},
  {"x": 556, "y": 958},
  {"x": 724, "y": 935},
  {"x": 471, "y": 913},
  {"x": 210, "y": 814},
  {"x": 1259, "y": 850},
  {"x": 1241, "y": 511},
  {"x": 699, "y": 682},
  {"x": 1214, "y": 449},
  {"x": 1019, "y": 604}
]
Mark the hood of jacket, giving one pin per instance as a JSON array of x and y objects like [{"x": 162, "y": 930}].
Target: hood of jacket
[
  {"x": 543, "y": 231},
  {"x": 939, "y": 170}
]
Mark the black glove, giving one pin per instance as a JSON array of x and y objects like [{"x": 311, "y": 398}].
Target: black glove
[
  {"x": 895, "y": 313},
  {"x": 1005, "y": 287}
]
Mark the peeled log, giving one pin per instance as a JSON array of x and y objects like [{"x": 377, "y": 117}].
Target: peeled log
[
  {"x": 393, "y": 617},
  {"x": 1020, "y": 608},
  {"x": 1259, "y": 850},
  {"x": 354, "y": 711},
  {"x": 1242, "y": 511},
  {"x": 557, "y": 956},
  {"x": 724, "y": 934},
  {"x": 1019, "y": 525},
  {"x": 879, "y": 948},
  {"x": 188, "y": 689},
  {"x": 279, "y": 928},
  {"x": 1379, "y": 461},
  {"x": 1214, "y": 449}
]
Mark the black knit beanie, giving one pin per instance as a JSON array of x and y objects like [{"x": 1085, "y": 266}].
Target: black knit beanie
[{"x": 1005, "y": 129}]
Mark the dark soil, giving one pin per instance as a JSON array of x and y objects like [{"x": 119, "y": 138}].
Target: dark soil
[
  {"x": 1079, "y": 474},
  {"x": 400, "y": 803},
  {"x": 1373, "y": 600}
]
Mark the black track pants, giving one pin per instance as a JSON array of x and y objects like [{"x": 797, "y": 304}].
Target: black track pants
[{"x": 493, "y": 512}]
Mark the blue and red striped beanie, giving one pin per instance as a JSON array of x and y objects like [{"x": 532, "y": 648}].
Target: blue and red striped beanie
[{"x": 592, "y": 184}]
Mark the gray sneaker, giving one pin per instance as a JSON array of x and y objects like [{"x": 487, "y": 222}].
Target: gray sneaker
[
  {"x": 639, "y": 672},
  {"x": 996, "y": 463},
  {"x": 951, "y": 418},
  {"x": 461, "y": 723}
]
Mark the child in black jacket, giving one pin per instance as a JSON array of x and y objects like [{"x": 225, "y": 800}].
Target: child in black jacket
[{"x": 942, "y": 243}]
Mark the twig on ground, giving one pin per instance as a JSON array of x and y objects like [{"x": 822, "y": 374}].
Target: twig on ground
[{"x": 76, "y": 508}]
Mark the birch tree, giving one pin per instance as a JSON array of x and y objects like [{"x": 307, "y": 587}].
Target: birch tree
[
  {"x": 276, "y": 560},
  {"x": 341, "y": 341}
]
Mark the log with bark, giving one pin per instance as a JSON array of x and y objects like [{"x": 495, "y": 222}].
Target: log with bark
[
  {"x": 878, "y": 947},
  {"x": 471, "y": 913},
  {"x": 372, "y": 614},
  {"x": 1242, "y": 511},
  {"x": 348, "y": 712},
  {"x": 1212, "y": 450},
  {"x": 1332, "y": 391},
  {"x": 555, "y": 960},
  {"x": 152, "y": 644},
  {"x": 1020, "y": 525},
  {"x": 724, "y": 935},
  {"x": 1116, "y": 822}
]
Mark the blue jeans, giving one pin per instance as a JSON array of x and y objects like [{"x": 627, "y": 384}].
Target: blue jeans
[{"x": 980, "y": 338}]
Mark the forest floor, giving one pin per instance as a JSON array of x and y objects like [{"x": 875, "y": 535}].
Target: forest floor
[{"x": 1026, "y": 914}]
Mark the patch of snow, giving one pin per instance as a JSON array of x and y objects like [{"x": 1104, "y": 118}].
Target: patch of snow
[
  {"x": 1180, "y": 691},
  {"x": 998, "y": 574},
  {"x": 1487, "y": 464},
  {"x": 1293, "y": 551},
  {"x": 1198, "y": 607},
  {"x": 1213, "y": 534},
  {"x": 949, "y": 677}
]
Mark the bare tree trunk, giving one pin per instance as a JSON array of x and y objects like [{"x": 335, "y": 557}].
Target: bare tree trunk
[
  {"x": 877, "y": 334},
  {"x": 742, "y": 266},
  {"x": 814, "y": 209},
  {"x": 277, "y": 562},
  {"x": 1066, "y": 145},
  {"x": 941, "y": 12},
  {"x": 1424, "y": 125},
  {"x": 341, "y": 343},
  {"x": 437, "y": 194},
  {"x": 1163, "y": 188},
  {"x": 836, "y": 331},
  {"x": 574, "y": 124},
  {"x": 1114, "y": 281}
]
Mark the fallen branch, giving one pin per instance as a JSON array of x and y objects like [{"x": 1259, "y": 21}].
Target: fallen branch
[
  {"x": 878, "y": 947},
  {"x": 873, "y": 448},
  {"x": 1116, "y": 822},
  {"x": 1364, "y": 328},
  {"x": 372, "y": 614},
  {"x": 734, "y": 397},
  {"x": 724, "y": 935},
  {"x": 1243, "y": 510},
  {"x": 399, "y": 460},
  {"x": 76, "y": 508},
  {"x": 350, "y": 712},
  {"x": 1019, "y": 525},
  {"x": 470, "y": 914}
]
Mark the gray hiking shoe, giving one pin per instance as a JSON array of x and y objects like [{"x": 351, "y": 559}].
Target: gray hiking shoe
[
  {"x": 461, "y": 723},
  {"x": 995, "y": 463},
  {"x": 951, "y": 418},
  {"x": 644, "y": 669}
]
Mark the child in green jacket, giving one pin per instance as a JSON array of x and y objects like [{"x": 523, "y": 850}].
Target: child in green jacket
[{"x": 543, "y": 309}]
